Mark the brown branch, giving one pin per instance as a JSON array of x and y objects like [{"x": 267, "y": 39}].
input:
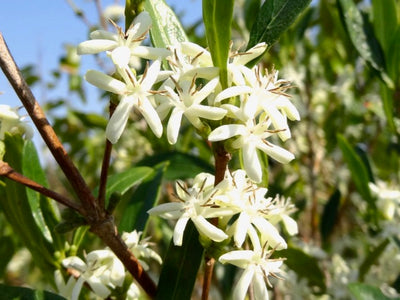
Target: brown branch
[
  {"x": 38, "y": 117},
  {"x": 222, "y": 158},
  {"x": 105, "y": 166},
  {"x": 100, "y": 222},
  {"x": 10, "y": 173}
]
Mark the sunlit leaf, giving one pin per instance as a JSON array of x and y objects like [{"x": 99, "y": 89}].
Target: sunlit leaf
[
  {"x": 217, "y": 17},
  {"x": 274, "y": 18},
  {"x": 166, "y": 29},
  {"x": 363, "y": 38}
]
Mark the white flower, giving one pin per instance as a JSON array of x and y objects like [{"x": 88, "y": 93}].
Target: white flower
[
  {"x": 112, "y": 42},
  {"x": 192, "y": 206},
  {"x": 140, "y": 248},
  {"x": 187, "y": 102},
  {"x": 134, "y": 93},
  {"x": 102, "y": 270},
  {"x": 133, "y": 292},
  {"x": 238, "y": 60},
  {"x": 388, "y": 199},
  {"x": 280, "y": 211},
  {"x": 12, "y": 122},
  {"x": 64, "y": 289},
  {"x": 264, "y": 93},
  {"x": 257, "y": 267},
  {"x": 252, "y": 137}
]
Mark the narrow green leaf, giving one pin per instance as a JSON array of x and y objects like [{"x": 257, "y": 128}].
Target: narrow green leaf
[
  {"x": 362, "y": 291},
  {"x": 384, "y": 21},
  {"x": 180, "y": 267},
  {"x": 181, "y": 165},
  {"x": 32, "y": 169},
  {"x": 305, "y": 266},
  {"x": 122, "y": 182},
  {"x": 329, "y": 215},
  {"x": 372, "y": 258},
  {"x": 12, "y": 292},
  {"x": 274, "y": 18},
  {"x": 217, "y": 17},
  {"x": 135, "y": 212},
  {"x": 393, "y": 58},
  {"x": 17, "y": 210},
  {"x": 363, "y": 38},
  {"x": 166, "y": 29},
  {"x": 359, "y": 172}
]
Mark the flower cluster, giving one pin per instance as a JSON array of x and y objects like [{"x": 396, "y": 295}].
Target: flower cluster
[
  {"x": 102, "y": 270},
  {"x": 254, "y": 108}
]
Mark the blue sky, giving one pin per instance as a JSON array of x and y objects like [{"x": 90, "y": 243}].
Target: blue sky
[{"x": 37, "y": 30}]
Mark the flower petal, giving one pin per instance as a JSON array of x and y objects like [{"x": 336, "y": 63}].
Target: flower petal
[
  {"x": 251, "y": 162},
  {"x": 105, "y": 82},
  {"x": 151, "y": 75},
  {"x": 226, "y": 131},
  {"x": 233, "y": 92},
  {"x": 179, "y": 230},
  {"x": 241, "y": 226},
  {"x": 174, "y": 124},
  {"x": 95, "y": 46},
  {"x": 260, "y": 288},
  {"x": 118, "y": 120},
  {"x": 206, "y": 112},
  {"x": 209, "y": 230},
  {"x": 167, "y": 210},
  {"x": 150, "y": 52},
  {"x": 240, "y": 290},
  {"x": 151, "y": 116},
  {"x": 239, "y": 258},
  {"x": 279, "y": 154}
]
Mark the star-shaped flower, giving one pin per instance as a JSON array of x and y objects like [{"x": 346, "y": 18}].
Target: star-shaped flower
[
  {"x": 133, "y": 93},
  {"x": 101, "y": 271},
  {"x": 187, "y": 101},
  {"x": 102, "y": 40},
  {"x": 252, "y": 136},
  {"x": 257, "y": 267},
  {"x": 192, "y": 206}
]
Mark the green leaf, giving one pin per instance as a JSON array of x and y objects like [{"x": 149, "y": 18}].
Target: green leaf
[
  {"x": 384, "y": 21},
  {"x": 393, "y": 58},
  {"x": 32, "y": 169},
  {"x": 217, "y": 17},
  {"x": 372, "y": 258},
  {"x": 359, "y": 172},
  {"x": 362, "y": 291},
  {"x": 274, "y": 18},
  {"x": 166, "y": 29},
  {"x": 21, "y": 293},
  {"x": 329, "y": 215},
  {"x": 17, "y": 210},
  {"x": 180, "y": 267},
  {"x": 305, "y": 266},
  {"x": 181, "y": 165},
  {"x": 135, "y": 212},
  {"x": 120, "y": 183},
  {"x": 6, "y": 252},
  {"x": 363, "y": 38}
]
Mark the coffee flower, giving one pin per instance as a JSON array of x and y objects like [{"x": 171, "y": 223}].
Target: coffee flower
[
  {"x": 133, "y": 92},
  {"x": 257, "y": 267},
  {"x": 187, "y": 102},
  {"x": 102, "y": 40},
  {"x": 102, "y": 271},
  {"x": 192, "y": 206},
  {"x": 252, "y": 135}
]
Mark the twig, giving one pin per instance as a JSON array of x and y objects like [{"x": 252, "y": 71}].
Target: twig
[
  {"x": 7, "y": 171},
  {"x": 105, "y": 166},
  {"x": 222, "y": 158},
  {"x": 38, "y": 117}
]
